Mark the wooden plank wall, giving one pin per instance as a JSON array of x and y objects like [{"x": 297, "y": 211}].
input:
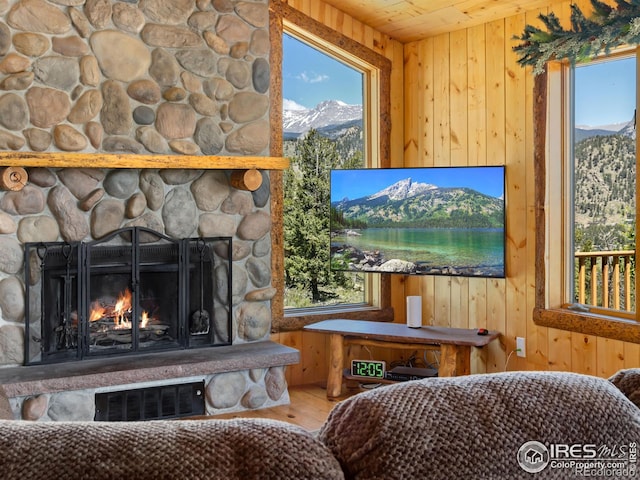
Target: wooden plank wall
[
  {"x": 461, "y": 99},
  {"x": 313, "y": 346},
  {"x": 473, "y": 106}
]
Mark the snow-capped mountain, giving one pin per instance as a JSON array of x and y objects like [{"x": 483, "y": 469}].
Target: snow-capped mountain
[
  {"x": 409, "y": 204},
  {"x": 629, "y": 130},
  {"x": 297, "y": 120},
  {"x": 585, "y": 131},
  {"x": 403, "y": 189}
]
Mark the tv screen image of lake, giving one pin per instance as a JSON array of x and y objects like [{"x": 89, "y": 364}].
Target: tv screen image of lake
[{"x": 422, "y": 220}]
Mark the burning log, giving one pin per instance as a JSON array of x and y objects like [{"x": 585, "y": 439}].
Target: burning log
[{"x": 101, "y": 333}]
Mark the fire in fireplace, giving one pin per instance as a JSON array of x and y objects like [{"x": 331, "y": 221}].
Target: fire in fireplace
[{"x": 134, "y": 291}]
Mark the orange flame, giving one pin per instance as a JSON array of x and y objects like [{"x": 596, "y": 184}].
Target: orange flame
[
  {"x": 120, "y": 310},
  {"x": 144, "y": 320},
  {"x": 97, "y": 312},
  {"x": 123, "y": 305}
]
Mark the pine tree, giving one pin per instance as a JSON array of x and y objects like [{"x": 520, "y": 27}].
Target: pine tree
[{"x": 306, "y": 208}]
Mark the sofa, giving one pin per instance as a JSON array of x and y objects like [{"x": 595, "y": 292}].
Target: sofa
[{"x": 496, "y": 426}]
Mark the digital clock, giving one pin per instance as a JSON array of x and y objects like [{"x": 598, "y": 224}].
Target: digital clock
[{"x": 368, "y": 368}]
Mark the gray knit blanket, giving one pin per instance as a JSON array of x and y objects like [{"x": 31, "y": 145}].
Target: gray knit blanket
[
  {"x": 235, "y": 449},
  {"x": 474, "y": 427}
]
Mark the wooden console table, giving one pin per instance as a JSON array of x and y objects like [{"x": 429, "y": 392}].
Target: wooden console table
[{"x": 455, "y": 344}]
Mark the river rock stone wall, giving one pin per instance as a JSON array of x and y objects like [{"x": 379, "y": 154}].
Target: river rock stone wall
[{"x": 139, "y": 76}]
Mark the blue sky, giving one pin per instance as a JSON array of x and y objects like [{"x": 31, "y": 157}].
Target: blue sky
[
  {"x": 352, "y": 183},
  {"x": 310, "y": 77},
  {"x": 605, "y": 92}
]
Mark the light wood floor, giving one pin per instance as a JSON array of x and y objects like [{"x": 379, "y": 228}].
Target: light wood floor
[{"x": 308, "y": 409}]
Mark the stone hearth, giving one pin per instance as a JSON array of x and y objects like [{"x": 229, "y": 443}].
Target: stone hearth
[{"x": 236, "y": 377}]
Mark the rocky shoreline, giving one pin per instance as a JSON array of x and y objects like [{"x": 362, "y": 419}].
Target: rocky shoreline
[{"x": 375, "y": 261}]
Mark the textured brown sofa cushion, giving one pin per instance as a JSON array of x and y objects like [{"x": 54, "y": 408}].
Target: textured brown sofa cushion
[
  {"x": 200, "y": 449},
  {"x": 473, "y": 426},
  {"x": 628, "y": 381}
]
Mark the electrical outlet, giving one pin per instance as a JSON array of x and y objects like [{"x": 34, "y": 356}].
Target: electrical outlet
[{"x": 521, "y": 347}]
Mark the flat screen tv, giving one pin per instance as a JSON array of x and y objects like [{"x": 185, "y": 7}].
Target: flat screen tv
[{"x": 419, "y": 221}]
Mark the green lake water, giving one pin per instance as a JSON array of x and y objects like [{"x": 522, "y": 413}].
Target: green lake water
[{"x": 432, "y": 246}]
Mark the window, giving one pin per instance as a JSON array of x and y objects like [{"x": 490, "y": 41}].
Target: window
[
  {"x": 604, "y": 183},
  {"x": 585, "y": 255},
  {"x": 323, "y": 130},
  {"x": 376, "y": 84}
]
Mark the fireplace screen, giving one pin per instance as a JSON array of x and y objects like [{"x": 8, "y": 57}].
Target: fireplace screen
[{"x": 134, "y": 291}]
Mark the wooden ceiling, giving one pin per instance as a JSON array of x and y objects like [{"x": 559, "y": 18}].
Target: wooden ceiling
[{"x": 410, "y": 20}]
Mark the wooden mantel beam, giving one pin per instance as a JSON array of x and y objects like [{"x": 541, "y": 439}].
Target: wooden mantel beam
[{"x": 131, "y": 160}]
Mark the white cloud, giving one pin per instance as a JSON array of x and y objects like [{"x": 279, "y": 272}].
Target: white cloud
[
  {"x": 313, "y": 77},
  {"x": 292, "y": 105}
]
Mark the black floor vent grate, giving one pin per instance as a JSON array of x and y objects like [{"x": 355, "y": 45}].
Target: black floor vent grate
[{"x": 153, "y": 403}]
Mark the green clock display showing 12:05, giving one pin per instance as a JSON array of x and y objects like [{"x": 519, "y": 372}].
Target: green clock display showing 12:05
[{"x": 368, "y": 368}]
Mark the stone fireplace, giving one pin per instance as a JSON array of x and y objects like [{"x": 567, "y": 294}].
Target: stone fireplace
[
  {"x": 121, "y": 112},
  {"x": 232, "y": 380}
]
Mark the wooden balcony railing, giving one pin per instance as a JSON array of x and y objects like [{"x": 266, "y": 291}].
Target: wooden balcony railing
[{"x": 605, "y": 279}]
